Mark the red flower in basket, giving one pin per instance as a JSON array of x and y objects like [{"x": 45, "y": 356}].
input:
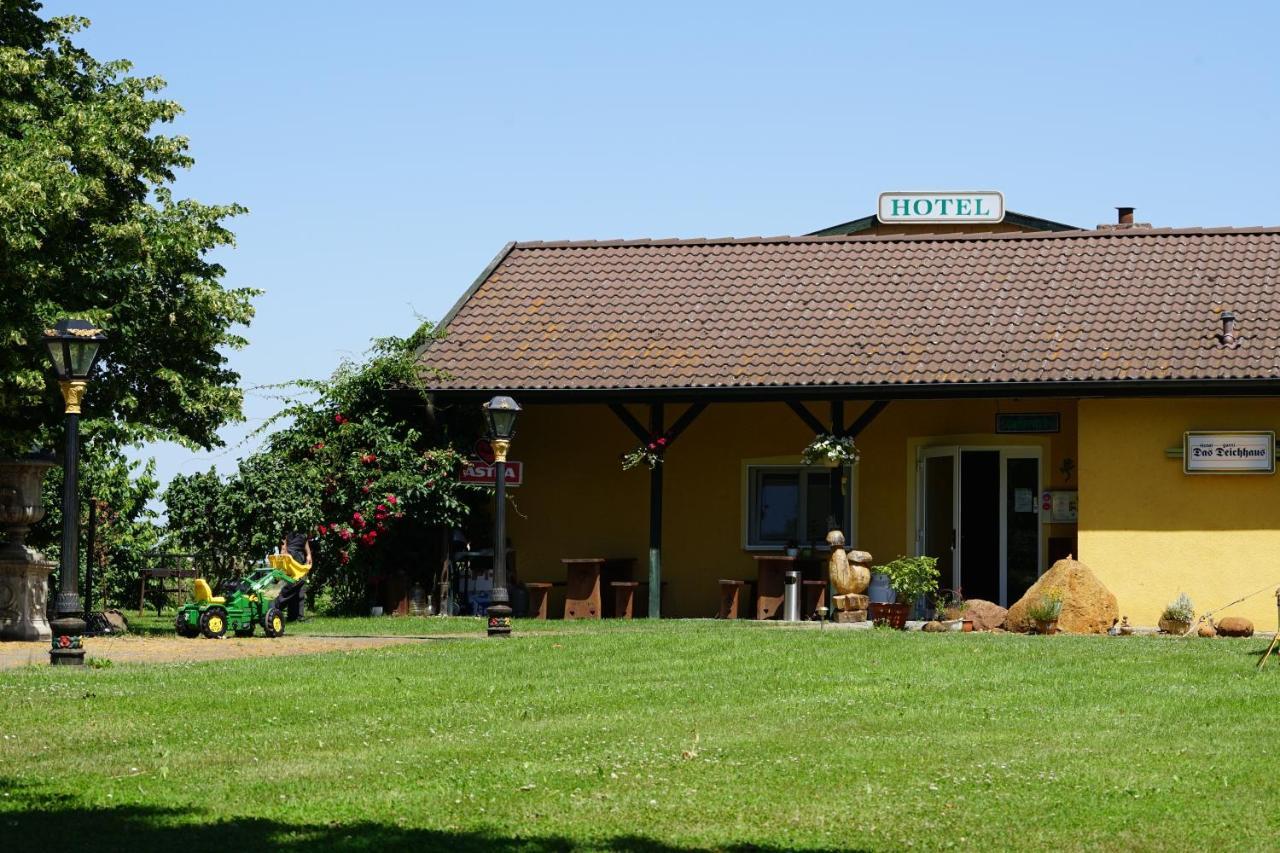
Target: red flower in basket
[{"x": 357, "y": 519}]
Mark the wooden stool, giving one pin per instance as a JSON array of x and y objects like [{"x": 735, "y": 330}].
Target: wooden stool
[
  {"x": 815, "y": 596},
  {"x": 731, "y": 598},
  {"x": 582, "y": 590},
  {"x": 538, "y": 595},
  {"x": 624, "y": 598}
]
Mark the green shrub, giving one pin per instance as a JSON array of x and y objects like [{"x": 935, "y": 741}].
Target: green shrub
[
  {"x": 1180, "y": 610},
  {"x": 1048, "y": 608}
]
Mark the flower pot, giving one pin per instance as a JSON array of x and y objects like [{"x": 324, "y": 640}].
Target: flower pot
[
  {"x": 966, "y": 625},
  {"x": 24, "y": 573},
  {"x": 879, "y": 590},
  {"x": 1045, "y": 626},
  {"x": 375, "y": 611},
  {"x": 893, "y": 615},
  {"x": 1174, "y": 626}
]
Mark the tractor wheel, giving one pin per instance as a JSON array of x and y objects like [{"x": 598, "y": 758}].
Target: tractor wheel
[
  {"x": 213, "y": 623},
  {"x": 185, "y": 628},
  {"x": 273, "y": 623}
]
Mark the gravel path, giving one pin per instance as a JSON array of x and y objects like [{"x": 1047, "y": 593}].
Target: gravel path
[{"x": 130, "y": 650}]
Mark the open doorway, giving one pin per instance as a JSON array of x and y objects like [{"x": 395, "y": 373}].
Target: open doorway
[{"x": 978, "y": 513}]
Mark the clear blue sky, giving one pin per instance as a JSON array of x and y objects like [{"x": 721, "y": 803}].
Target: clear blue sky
[{"x": 386, "y": 151}]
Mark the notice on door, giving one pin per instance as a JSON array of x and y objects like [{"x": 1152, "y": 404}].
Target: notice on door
[
  {"x": 1229, "y": 452},
  {"x": 1024, "y": 500}
]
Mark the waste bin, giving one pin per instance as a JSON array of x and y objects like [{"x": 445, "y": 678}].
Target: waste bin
[{"x": 791, "y": 597}]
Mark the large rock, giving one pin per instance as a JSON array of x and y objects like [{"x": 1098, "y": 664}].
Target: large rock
[
  {"x": 1234, "y": 626},
  {"x": 985, "y": 615},
  {"x": 1088, "y": 607}
]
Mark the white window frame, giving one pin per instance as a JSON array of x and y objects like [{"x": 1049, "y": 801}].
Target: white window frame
[{"x": 749, "y": 469}]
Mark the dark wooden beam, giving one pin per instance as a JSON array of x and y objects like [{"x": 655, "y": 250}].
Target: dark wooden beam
[
  {"x": 835, "y": 503},
  {"x": 655, "y": 519},
  {"x": 805, "y": 415},
  {"x": 682, "y": 422},
  {"x": 864, "y": 420},
  {"x": 630, "y": 422}
]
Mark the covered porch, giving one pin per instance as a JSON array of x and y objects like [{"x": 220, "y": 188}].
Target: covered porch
[{"x": 963, "y": 479}]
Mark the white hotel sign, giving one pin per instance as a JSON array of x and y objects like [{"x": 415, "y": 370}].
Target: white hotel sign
[
  {"x": 1229, "y": 452},
  {"x": 906, "y": 207}
]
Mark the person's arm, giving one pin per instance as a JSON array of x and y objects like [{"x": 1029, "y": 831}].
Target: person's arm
[
  {"x": 284, "y": 546},
  {"x": 307, "y": 551}
]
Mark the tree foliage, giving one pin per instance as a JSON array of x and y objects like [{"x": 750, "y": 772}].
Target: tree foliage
[
  {"x": 89, "y": 228},
  {"x": 348, "y": 462}
]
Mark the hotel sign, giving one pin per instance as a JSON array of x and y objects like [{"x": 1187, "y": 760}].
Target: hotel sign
[
  {"x": 1229, "y": 452},
  {"x": 907, "y": 207}
]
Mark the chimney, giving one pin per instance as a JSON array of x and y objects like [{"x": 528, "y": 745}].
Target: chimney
[
  {"x": 1228, "y": 336},
  {"x": 1124, "y": 221}
]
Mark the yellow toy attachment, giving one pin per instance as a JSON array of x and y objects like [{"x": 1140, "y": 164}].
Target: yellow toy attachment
[
  {"x": 202, "y": 593},
  {"x": 288, "y": 565}
]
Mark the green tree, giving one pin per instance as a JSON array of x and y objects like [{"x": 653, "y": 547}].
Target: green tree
[
  {"x": 89, "y": 228},
  {"x": 347, "y": 463}
]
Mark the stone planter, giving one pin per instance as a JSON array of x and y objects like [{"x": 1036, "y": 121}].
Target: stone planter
[
  {"x": 1174, "y": 626},
  {"x": 24, "y": 573}
]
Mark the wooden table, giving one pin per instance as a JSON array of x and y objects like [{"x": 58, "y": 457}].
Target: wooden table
[
  {"x": 771, "y": 570},
  {"x": 584, "y": 579}
]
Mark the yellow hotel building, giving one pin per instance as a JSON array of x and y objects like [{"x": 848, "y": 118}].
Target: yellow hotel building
[{"x": 1018, "y": 389}]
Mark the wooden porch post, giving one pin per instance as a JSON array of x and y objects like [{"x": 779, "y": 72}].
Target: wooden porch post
[
  {"x": 836, "y": 503},
  {"x": 655, "y": 519}
]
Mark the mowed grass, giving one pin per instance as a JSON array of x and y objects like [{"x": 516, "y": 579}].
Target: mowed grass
[{"x": 679, "y": 735}]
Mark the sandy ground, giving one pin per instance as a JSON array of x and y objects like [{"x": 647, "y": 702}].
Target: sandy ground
[{"x": 129, "y": 650}]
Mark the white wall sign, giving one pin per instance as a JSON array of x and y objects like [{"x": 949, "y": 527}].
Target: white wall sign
[
  {"x": 1229, "y": 452},
  {"x": 905, "y": 207}
]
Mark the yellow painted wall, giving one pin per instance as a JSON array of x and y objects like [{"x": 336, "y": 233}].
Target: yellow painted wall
[
  {"x": 1150, "y": 532},
  {"x": 577, "y": 502}
]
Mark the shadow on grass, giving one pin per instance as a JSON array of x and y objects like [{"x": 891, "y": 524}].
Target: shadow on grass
[{"x": 60, "y": 824}]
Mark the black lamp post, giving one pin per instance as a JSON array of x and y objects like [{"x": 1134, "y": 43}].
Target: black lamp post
[
  {"x": 501, "y": 413},
  {"x": 73, "y": 347}
]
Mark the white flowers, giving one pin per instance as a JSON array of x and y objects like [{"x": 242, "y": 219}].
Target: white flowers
[{"x": 831, "y": 450}]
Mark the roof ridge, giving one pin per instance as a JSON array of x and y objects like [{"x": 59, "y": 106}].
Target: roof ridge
[{"x": 897, "y": 238}]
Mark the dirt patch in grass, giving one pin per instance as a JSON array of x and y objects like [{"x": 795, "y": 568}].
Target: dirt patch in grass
[{"x": 130, "y": 650}]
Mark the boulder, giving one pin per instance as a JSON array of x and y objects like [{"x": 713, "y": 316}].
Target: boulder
[
  {"x": 985, "y": 615},
  {"x": 1234, "y": 626},
  {"x": 934, "y": 627},
  {"x": 1088, "y": 607},
  {"x": 1206, "y": 629}
]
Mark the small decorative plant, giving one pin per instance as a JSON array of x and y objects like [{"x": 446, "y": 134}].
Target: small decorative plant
[
  {"x": 650, "y": 454},
  {"x": 949, "y": 604},
  {"x": 830, "y": 450},
  {"x": 1179, "y": 610},
  {"x": 1047, "y": 609},
  {"x": 912, "y": 577}
]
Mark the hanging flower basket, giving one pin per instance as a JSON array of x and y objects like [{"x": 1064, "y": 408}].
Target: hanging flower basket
[
  {"x": 831, "y": 450},
  {"x": 649, "y": 454}
]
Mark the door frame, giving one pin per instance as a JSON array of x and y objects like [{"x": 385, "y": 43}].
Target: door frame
[{"x": 1007, "y": 452}]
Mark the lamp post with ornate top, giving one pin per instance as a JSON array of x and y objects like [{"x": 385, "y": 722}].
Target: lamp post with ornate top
[
  {"x": 500, "y": 412},
  {"x": 73, "y": 348}
]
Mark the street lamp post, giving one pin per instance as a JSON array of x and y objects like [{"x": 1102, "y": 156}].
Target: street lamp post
[
  {"x": 501, "y": 413},
  {"x": 73, "y": 348}
]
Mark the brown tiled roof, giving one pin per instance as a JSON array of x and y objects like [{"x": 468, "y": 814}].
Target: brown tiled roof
[{"x": 1075, "y": 306}]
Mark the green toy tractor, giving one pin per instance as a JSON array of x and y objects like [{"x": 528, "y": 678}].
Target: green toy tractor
[{"x": 243, "y": 605}]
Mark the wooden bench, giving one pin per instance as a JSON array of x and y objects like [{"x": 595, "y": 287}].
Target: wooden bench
[
  {"x": 624, "y": 598},
  {"x": 732, "y": 605}
]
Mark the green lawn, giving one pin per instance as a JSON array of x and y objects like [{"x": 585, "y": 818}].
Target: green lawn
[{"x": 655, "y": 737}]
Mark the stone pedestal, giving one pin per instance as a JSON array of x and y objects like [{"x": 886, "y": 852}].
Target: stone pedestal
[
  {"x": 24, "y": 573},
  {"x": 851, "y": 616}
]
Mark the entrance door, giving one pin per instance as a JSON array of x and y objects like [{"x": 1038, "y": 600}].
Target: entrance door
[{"x": 977, "y": 513}]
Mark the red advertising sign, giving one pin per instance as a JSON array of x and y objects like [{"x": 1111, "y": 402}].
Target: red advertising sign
[{"x": 481, "y": 472}]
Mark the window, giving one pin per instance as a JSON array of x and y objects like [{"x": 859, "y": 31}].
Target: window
[{"x": 791, "y": 504}]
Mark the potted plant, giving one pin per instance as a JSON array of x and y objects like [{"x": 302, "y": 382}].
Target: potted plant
[
  {"x": 1177, "y": 616},
  {"x": 910, "y": 578},
  {"x": 830, "y": 450},
  {"x": 1045, "y": 612},
  {"x": 949, "y": 608}
]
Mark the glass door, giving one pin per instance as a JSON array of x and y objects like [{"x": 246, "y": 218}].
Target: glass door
[{"x": 977, "y": 511}]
